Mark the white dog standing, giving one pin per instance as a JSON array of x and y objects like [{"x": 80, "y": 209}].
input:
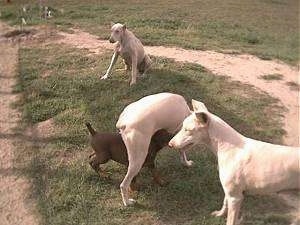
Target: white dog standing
[
  {"x": 131, "y": 50},
  {"x": 244, "y": 164},
  {"x": 139, "y": 121}
]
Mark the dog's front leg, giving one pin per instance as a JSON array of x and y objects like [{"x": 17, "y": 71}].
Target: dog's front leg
[
  {"x": 112, "y": 63},
  {"x": 133, "y": 70},
  {"x": 234, "y": 205},
  {"x": 184, "y": 160},
  {"x": 223, "y": 211}
]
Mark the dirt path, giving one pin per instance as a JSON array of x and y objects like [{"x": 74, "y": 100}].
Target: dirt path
[
  {"x": 243, "y": 68},
  {"x": 14, "y": 205}
]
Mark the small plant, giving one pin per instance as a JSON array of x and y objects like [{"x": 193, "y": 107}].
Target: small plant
[
  {"x": 293, "y": 85},
  {"x": 252, "y": 39},
  {"x": 274, "y": 76}
]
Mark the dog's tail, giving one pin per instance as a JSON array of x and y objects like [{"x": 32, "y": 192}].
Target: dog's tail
[{"x": 89, "y": 127}]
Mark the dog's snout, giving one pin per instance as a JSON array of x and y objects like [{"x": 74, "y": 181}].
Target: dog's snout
[
  {"x": 111, "y": 40},
  {"x": 171, "y": 145}
]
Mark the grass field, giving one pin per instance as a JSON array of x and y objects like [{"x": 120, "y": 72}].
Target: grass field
[
  {"x": 268, "y": 28},
  {"x": 62, "y": 83}
]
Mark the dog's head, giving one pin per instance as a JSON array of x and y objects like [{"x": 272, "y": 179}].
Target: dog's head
[
  {"x": 117, "y": 31},
  {"x": 194, "y": 128}
]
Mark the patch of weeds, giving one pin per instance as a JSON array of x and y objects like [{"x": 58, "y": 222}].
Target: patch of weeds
[
  {"x": 252, "y": 38},
  {"x": 170, "y": 24},
  {"x": 293, "y": 85},
  {"x": 6, "y": 15},
  {"x": 274, "y": 76},
  {"x": 15, "y": 33}
]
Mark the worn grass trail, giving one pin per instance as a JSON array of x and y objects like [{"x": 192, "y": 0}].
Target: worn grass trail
[{"x": 15, "y": 187}]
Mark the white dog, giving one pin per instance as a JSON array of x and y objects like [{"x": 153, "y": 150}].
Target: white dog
[
  {"x": 131, "y": 50},
  {"x": 244, "y": 164},
  {"x": 139, "y": 121}
]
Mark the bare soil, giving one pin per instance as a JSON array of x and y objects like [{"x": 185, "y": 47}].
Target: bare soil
[{"x": 15, "y": 206}]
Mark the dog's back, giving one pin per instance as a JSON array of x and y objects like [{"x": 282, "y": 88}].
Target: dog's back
[{"x": 154, "y": 112}]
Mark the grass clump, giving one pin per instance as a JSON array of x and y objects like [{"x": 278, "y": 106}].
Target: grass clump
[
  {"x": 274, "y": 76},
  {"x": 293, "y": 85}
]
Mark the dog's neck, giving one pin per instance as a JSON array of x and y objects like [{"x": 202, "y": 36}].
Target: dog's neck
[{"x": 223, "y": 137}]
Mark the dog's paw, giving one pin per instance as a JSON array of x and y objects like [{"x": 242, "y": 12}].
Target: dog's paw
[
  {"x": 189, "y": 163},
  {"x": 130, "y": 202},
  {"x": 105, "y": 76},
  {"x": 218, "y": 213}
]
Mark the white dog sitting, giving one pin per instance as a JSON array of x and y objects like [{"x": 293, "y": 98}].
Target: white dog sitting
[
  {"x": 139, "y": 121},
  {"x": 131, "y": 50},
  {"x": 244, "y": 164}
]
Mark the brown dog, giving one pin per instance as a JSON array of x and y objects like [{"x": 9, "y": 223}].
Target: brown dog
[{"x": 111, "y": 146}]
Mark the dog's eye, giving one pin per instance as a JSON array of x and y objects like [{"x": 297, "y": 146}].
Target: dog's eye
[{"x": 117, "y": 31}]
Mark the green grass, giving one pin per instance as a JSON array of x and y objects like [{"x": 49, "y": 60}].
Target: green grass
[
  {"x": 274, "y": 76},
  {"x": 69, "y": 192},
  {"x": 268, "y": 29}
]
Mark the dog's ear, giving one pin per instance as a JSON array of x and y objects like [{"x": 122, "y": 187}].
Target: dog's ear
[
  {"x": 124, "y": 27},
  {"x": 198, "y": 106},
  {"x": 112, "y": 23},
  {"x": 202, "y": 118}
]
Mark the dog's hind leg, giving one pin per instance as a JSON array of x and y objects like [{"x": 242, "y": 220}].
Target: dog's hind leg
[
  {"x": 144, "y": 66},
  {"x": 223, "y": 211},
  {"x": 95, "y": 164},
  {"x": 147, "y": 64},
  {"x": 137, "y": 148},
  {"x": 134, "y": 70}
]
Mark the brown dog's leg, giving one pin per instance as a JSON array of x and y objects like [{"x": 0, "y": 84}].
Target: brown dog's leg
[
  {"x": 93, "y": 162},
  {"x": 156, "y": 176},
  {"x": 96, "y": 166}
]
